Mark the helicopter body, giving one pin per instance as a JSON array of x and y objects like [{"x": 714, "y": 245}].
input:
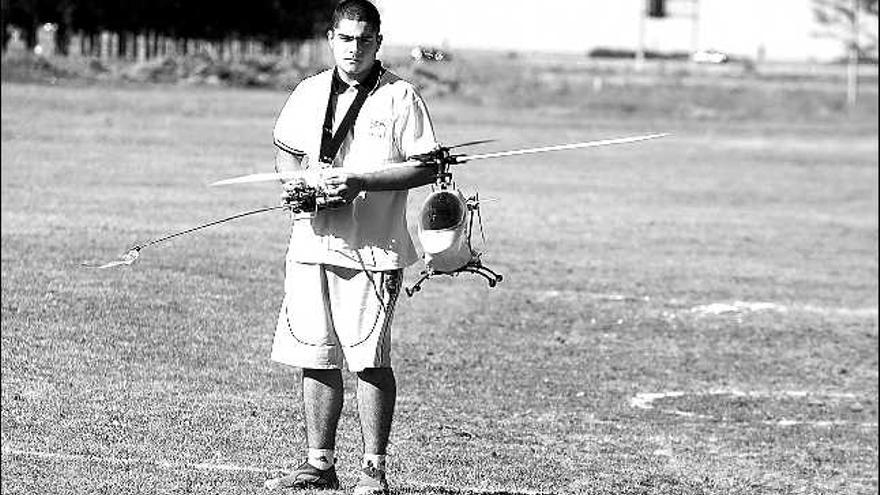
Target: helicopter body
[
  {"x": 446, "y": 223},
  {"x": 444, "y": 231}
]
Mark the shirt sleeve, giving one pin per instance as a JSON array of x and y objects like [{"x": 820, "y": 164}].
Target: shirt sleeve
[
  {"x": 287, "y": 135},
  {"x": 417, "y": 131}
]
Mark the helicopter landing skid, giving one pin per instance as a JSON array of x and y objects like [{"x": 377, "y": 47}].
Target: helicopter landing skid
[{"x": 474, "y": 267}]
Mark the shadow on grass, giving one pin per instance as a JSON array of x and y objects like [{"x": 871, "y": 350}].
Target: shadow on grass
[{"x": 449, "y": 490}]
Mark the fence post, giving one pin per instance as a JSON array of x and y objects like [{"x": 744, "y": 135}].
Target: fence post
[
  {"x": 852, "y": 66},
  {"x": 105, "y": 41},
  {"x": 140, "y": 42}
]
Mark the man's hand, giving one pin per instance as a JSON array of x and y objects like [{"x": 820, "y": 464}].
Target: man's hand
[
  {"x": 343, "y": 186},
  {"x": 291, "y": 193}
]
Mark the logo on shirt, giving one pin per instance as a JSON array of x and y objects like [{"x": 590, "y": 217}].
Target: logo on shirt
[{"x": 378, "y": 129}]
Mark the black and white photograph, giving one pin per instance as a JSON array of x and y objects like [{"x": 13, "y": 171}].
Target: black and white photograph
[{"x": 602, "y": 247}]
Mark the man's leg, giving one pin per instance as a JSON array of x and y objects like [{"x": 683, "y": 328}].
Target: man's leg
[
  {"x": 376, "y": 393},
  {"x": 370, "y": 358},
  {"x": 322, "y": 405}
]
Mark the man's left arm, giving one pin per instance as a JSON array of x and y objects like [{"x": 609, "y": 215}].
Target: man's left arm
[{"x": 347, "y": 185}]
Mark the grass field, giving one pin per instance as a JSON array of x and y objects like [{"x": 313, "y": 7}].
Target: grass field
[{"x": 695, "y": 315}]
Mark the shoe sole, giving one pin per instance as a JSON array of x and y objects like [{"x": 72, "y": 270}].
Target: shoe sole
[
  {"x": 371, "y": 491},
  {"x": 279, "y": 483}
]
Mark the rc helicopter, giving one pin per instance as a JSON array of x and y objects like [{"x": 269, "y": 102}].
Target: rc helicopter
[
  {"x": 446, "y": 224},
  {"x": 446, "y": 218}
]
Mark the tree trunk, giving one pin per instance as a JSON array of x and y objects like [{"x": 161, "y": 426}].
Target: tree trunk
[
  {"x": 154, "y": 44},
  {"x": 141, "y": 47},
  {"x": 5, "y": 33},
  {"x": 31, "y": 35},
  {"x": 62, "y": 36},
  {"x": 113, "y": 46},
  {"x": 120, "y": 45}
]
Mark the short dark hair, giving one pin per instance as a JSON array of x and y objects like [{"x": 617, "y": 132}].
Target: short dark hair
[{"x": 357, "y": 10}]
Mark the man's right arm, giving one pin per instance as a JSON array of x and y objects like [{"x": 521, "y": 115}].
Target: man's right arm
[
  {"x": 287, "y": 134},
  {"x": 286, "y": 162}
]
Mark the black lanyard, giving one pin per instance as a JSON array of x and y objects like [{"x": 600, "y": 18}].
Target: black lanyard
[{"x": 330, "y": 142}]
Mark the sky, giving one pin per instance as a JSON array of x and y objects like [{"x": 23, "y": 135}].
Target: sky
[{"x": 780, "y": 29}]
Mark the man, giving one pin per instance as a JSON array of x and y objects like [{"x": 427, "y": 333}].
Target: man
[{"x": 355, "y": 125}]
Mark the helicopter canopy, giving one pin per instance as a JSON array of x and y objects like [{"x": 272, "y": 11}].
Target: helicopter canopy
[{"x": 443, "y": 210}]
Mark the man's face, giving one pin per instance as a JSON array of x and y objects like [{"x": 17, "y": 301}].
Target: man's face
[{"x": 354, "y": 45}]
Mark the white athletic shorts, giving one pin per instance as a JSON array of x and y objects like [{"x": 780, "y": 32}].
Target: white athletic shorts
[{"x": 331, "y": 313}]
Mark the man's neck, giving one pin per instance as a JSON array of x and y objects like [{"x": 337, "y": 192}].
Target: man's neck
[{"x": 352, "y": 80}]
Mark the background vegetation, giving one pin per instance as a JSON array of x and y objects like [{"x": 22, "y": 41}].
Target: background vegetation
[{"x": 155, "y": 22}]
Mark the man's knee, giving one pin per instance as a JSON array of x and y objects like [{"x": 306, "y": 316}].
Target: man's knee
[
  {"x": 376, "y": 376},
  {"x": 327, "y": 377}
]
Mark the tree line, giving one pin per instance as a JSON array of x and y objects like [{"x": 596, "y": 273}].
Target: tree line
[
  {"x": 268, "y": 22},
  {"x": 853, "y": 22}
]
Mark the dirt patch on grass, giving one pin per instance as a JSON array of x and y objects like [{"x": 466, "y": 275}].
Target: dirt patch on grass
[{"x": 784, "y": 408}]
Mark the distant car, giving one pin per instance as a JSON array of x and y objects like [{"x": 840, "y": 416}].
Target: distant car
[
  {"x": 429, "y": 54},
  {"x": 710, "y": 57}
]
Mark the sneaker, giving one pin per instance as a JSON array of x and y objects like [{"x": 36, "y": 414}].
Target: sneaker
[
  {"x": 306, "y": 476},
  {"x": 371, "y": 482}
]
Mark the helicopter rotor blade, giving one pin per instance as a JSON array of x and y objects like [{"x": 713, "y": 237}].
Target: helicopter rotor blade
[
  {"x": 573, "y": 146},
  {"x": 285, "y": 176},
  {"x": 473, "y": 143},
  {"x": 124, "y": 259},
  {"x": 134, "y": 252},
  {"x": 261, "y": 177}
]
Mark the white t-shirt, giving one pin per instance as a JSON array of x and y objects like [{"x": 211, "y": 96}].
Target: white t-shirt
[{"x": 393, "y": 124}]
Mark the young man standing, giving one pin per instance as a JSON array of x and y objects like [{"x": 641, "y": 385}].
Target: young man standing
[{"x": 355, "y": 125}]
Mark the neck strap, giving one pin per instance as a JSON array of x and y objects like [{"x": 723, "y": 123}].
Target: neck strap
[{"x": 330, "y": 142}]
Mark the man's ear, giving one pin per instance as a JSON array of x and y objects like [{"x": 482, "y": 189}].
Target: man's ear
[
  {"x": 329, "y": 35},
  {"x": 378, "y": 41}
]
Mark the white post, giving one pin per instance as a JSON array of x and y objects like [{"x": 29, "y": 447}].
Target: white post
[
  {"x": 640, "y": 50},
  {"x": 140, "y": 41},
  {"x": 695, "y": 27},
  {"x": 852, "y": 69},
  {"x": 106, "y": 40}
]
